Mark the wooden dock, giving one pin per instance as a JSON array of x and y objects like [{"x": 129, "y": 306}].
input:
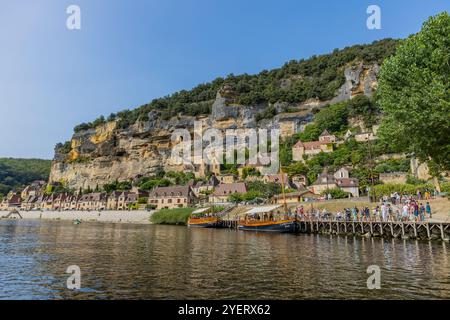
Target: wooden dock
[{"x": 386, "y": 229}]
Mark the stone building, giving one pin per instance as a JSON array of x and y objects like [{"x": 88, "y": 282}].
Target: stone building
[
  {"x": 172, "y": 197},
  {"x": 325, "y": 144}
]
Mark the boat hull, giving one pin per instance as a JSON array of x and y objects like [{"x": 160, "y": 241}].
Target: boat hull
[
  {"x": 286, "y": 226},
  {"x": 203, "y": 222}
]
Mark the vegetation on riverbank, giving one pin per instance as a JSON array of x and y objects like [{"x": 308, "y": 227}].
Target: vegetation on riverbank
[{"x": 178, "y": 216}]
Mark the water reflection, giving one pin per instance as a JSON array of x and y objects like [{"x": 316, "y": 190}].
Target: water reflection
[{"x": 167, "y": 262}]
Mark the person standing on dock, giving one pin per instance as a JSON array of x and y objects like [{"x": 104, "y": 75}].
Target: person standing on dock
[
  {"x": 428, "y": 209},
  {"x": 405, "y": 212},
  {"x": 383, "y": 212},
  {"x": 422, "y": 212}
]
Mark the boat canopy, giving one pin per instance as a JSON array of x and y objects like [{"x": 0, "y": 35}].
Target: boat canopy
[
  {"x": 262, "y": 209},
  {"x": 201, "y": 210}
]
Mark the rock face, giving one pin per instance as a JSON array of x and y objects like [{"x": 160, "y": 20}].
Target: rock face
[{"x": 107, "y": 153}]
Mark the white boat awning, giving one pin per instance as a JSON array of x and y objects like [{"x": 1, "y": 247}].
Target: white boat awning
[
  {"x": 201, "y": 210},
  {"x": 262, "y": 209}
]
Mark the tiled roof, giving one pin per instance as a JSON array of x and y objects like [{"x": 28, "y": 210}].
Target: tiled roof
[
  {"x": 347, "y": 182},
  {"x": 175, "y": 191},
  {"x": 229, "y": 188},
  {"x": 311, "y": 145}
]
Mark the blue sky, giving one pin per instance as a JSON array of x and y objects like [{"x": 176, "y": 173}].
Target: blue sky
[{"x": 129, "y": 52}]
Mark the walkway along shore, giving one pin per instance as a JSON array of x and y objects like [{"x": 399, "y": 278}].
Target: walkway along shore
[{"x": 135, "y": 216}]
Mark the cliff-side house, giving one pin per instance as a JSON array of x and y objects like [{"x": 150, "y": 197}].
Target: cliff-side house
[{"x": 324, "y": 144}]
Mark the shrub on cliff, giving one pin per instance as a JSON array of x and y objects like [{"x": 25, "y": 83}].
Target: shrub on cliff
[{"x": 295, "y": 82}]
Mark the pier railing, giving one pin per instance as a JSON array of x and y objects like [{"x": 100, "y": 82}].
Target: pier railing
[{"x": 425, "y": 230}]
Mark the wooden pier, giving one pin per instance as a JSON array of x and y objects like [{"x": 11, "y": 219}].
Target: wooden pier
[{"x": 386, "y": 229}]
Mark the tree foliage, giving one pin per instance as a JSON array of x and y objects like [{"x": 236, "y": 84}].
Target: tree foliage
[
  {"x": 295, "y": 82},
  {"x": 414, "y": 94},
  {"x": 16, "y": 173}
]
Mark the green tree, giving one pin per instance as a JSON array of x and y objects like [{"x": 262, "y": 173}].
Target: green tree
[{"x": 414, "y": 94}]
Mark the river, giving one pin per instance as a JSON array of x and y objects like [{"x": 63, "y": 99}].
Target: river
[{"x": 128, "y": 261}]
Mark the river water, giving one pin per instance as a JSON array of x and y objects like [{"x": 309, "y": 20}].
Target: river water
[{"x": 124, "y": 261}]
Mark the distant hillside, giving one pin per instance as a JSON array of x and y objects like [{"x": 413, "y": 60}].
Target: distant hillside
[
  {"x": 136, "y": 143},
  {"x": 15, "y": 173}
]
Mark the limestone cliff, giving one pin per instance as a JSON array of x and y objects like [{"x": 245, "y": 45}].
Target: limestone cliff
[{"x": 105, "y": 153}]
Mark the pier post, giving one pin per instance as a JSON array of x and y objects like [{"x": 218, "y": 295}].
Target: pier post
[
  {"x": 392, "y": 230},
  {"x": 428, "y": 230},
  {"x": 337, "y": 224},
  {"x": 371, "y": 228},
  {"x": 403, "y": 229},
  {"x": 442, "y": 231},
  {"x": 415, "y": 229},
  {"x": 353, "y": 226},
  {"x": 381, "y": 227}
]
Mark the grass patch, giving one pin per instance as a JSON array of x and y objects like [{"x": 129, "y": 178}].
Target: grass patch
[{"x": 177, "y": 216}]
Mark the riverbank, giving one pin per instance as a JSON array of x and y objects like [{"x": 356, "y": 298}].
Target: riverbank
[{"x": 138, "y": 216}]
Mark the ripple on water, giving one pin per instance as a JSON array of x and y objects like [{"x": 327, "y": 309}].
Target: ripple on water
[{"x": 168, "y": 262}]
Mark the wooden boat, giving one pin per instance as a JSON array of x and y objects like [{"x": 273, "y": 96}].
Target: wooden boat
[
  {"x": 283, "y": 226},
  {"x": 202, "y": 218},
  {"x": 203, "y": 222},
  {"x": 264, "y": 219}
]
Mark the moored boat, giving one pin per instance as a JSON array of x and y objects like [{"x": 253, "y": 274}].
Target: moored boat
[
  {"x": 267, "y": 219},
  {"x": 283, "y": 226},
  {"x": 203, "y": 222},
  {"x": 203, "y": 218}
]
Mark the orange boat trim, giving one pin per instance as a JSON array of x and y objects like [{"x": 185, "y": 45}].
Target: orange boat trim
[{"x": 263, "y": 223}]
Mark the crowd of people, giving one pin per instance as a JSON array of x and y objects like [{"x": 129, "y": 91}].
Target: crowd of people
[{"x": 395, "y": 208}]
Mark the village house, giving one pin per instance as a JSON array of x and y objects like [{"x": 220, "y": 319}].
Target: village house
[
  {"x": 47, "y": 203},
  {"x": 72, "y": 201},
  {"x": 340, "y": 180},
  {"x": 11, "y": 202},
  {"x": 83, "y": 203},
  {"x": 112, "y": 202},
  {"x": 227, "y": 178},
  {"x": 202, "y": 187},
  {"x": 223, "y": 191},
  {"x": 38, "y": 204},
  {"x": 365, "y": 136},
  {"x": 36, "y": 188},
  {"x": 59, "y": 201},
  {"x": 257, "y": 167},
  {"x": 172, "y": 197},
  {"x": 325, "y": 144},
  {"x": 299, "y": 181},
  {"x": 294, "y": 197},
  {"x": 98, "y": 201},
  {"x": 278, "y": 179}
]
